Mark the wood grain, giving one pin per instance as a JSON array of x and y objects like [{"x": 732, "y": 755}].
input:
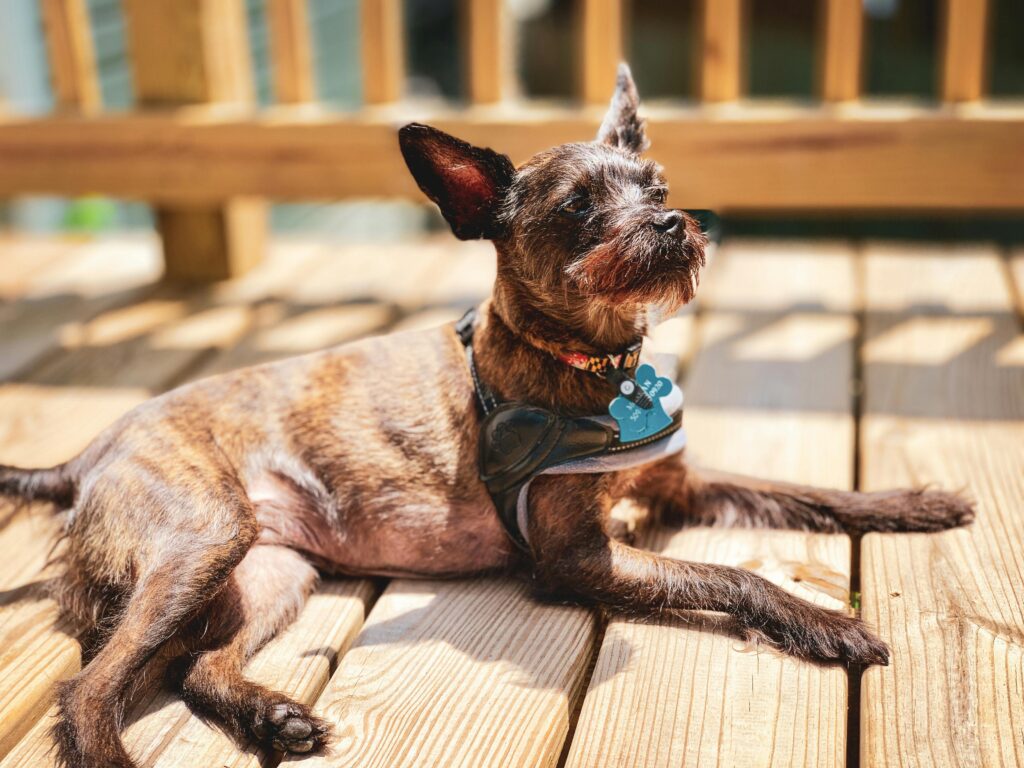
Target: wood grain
[
  {"x": 964, "y": 50},
  {"x": 944, "y": 405},
  {"x": 721, "y": 58},
  {"x": 71, "y": 55},
  {"x": 162, "y": 732},
  {"x": 841, "y": 55},
  {"x": 758, "y": 158},
  {"x": 291, "y": 43},
  {"x": 768, "y": 394},
  {"x": 65, "y": 292},
  {"x": 382, "y": 38},
  {"x": 601, "y": 46},
  {"x": 119, "y": 359},
  {"x": 457, "y": 673}
]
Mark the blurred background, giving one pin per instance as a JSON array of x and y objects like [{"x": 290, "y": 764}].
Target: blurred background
[{"x": 899, "y": 53}]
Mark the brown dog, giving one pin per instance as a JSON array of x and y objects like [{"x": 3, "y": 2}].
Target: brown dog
[{"x": 197, "y": 523}]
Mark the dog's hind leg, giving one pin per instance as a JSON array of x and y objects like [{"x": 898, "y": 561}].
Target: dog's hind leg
[
  {"x": 265, "y": 593},
  {"x": 174, "y": 583},
  {"x": 680, "y": 494}
]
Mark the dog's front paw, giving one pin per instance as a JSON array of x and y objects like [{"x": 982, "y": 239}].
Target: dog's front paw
[
  {"x": 829, "y": 638},
  {"x": 291, "y": 727},
  {"x": 909, "y": 512}
]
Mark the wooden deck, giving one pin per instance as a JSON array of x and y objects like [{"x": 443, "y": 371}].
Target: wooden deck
[{"x": 847, "y": 364}]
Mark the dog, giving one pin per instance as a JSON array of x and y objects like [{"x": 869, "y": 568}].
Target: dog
[{"x": 197, "y": 524}]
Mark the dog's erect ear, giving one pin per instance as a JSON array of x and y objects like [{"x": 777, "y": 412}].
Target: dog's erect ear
[
  {"x": 622, "y": 127},
  {"x": 468, "y": 183}
]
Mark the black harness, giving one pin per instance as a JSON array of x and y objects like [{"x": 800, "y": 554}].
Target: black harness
[{"x": 520, "y": 441}]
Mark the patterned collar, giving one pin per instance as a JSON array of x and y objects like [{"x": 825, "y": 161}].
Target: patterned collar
[{"x": 627, "y": 360}]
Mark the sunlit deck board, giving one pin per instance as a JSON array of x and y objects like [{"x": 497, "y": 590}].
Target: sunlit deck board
[
  {"x": 161, "y": 731},
  {"x": 73, "y": 282},
  {"x": 117, "y": 360},
  {"x": 776, "y": 337},
  {"x": 944, "y": 405},
  {"x": 769, "y": 395}
]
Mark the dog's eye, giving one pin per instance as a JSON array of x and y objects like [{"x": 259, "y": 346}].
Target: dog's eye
[
  {"x": 658, "y": 195},
  {"x": 577, "y": 205}
]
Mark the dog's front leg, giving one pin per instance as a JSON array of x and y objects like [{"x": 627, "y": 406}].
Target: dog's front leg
[
  {"x": 679, "y": 493},
  {"x": 574, "y": 555}
]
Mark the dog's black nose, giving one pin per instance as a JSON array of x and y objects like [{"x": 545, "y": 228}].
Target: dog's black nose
[{"x": 668, "y": 222}]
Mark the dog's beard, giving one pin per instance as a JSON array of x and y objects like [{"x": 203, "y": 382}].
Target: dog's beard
[{"x": 636, "y": 267}]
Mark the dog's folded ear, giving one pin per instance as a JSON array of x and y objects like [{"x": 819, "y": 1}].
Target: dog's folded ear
[
  {"x": 468, "y": 183},
  {"x": 622, "y": 127}
]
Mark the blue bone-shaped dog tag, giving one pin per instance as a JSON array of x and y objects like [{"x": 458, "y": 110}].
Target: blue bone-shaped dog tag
[{"x": 636, "y": 423}]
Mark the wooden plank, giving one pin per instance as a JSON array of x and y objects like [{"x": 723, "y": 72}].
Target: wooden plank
[
  {"x": 601, "y": 48},
  {"x": 722, "y": 56},
  {"x": 197, "y": 51},
  {"x": 24, "y": 256},
  {"x": 122, "y": 357},
  {"x": 457, "y": 673},
  {"x": 291, "y": 50},
  {"x": 964, "y": 37},
  {"x": 944, "y": 405},
  {"x": 757, "y": 158},
  {"x": 88, "y": 279},
  {"x": 162, "y": 733},
  {"x": 768, "y": 395},
  {"x": 842, "y": 49},
  {"x": 71, "y": 55},
  {"x": 382, "y": 37},
  {"x": 485, "y": 37}
]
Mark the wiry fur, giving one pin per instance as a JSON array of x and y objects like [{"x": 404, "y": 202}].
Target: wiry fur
[{"x": 198, "y": 521}]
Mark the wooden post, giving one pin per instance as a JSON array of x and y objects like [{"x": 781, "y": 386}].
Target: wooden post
[
  {"x": 188, "y": 52},
  {"x": 290, "y": 47},
  {"x": 71, "y": 55},
  {"x": 602, "y": 49},
  {"x": 841, "y": 56},
  {"x": 483, "y": 27},
  {"x": 383, "y": 41},
  {"x": 721, "y": 70},
  {"x": 964, "y": 31}
]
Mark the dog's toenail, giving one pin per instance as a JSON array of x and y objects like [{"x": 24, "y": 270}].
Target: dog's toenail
[
  {"x": 296, "y": 728},
  {"x": 301, "y": 746}
]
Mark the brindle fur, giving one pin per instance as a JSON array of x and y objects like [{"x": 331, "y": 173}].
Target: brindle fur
[{"x": 195, "y": 525}]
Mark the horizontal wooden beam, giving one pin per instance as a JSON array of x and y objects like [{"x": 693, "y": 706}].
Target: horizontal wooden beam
[{"x": 759, "y": 158}]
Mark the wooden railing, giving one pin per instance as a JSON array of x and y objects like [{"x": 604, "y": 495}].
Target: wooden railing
[{"x": 197, "y": 148}]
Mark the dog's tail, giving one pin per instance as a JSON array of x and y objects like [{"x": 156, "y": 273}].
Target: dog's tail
[{"x": 53, "y": 484}]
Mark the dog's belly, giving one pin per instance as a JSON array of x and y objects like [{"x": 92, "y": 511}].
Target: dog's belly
[{"x": 405, "y": 531}]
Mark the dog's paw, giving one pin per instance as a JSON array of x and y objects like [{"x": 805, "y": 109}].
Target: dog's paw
[
  {"x": 829, "y": 638},
  {"x": 291, "y": 727},
  {"x": 919, "y": 511}
]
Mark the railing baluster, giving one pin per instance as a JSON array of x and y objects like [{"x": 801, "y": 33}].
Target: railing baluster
[
  {"x": 188, "y": 52},
  {"x": 602, "y": 48},
  {"x": 721, "y": 76},
  {"x": 485, "y": 43},
  {"x": 842, "y": 50},
  {"x": 291, "y": 51},
  {"x": 383, "y": 41},
  {"x": 71, "y": 55},
  {"x": 963, "y": 49}
]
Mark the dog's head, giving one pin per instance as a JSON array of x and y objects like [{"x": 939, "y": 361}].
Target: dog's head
[{"x": 575, "y": 225}]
